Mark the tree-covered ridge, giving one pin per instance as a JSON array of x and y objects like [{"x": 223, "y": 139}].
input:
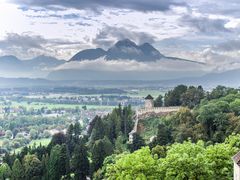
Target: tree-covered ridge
[
  {"x": 197, "y": 142},
  {"x": 214, "y": 118},
  {"x": 74, "y": 155}
]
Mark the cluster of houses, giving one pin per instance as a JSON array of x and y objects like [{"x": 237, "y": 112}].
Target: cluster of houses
[{"x": 106, "y": 100}]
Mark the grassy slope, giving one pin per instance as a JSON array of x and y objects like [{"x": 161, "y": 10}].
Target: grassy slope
[{"x": 150, "y": 127}]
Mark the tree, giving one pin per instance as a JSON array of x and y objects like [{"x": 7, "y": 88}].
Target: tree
[
  {"x": 57, "y": 139},
  {"x": 33, "y": 167},
  {"x": 173, "y": 97},
  {"x": 8, "y": 134},
  {"x": 77, "y": 130},
  {"x": 183, "y": 125},
  {"x": 126, "y": 120},
  {"x": 214, "y": 119},
  {"x": 80, "y": 162},
  {"x": 137, "y": 143},
  {"x": 17, "y": 170},
  {"x": 185, "y": 161},
  {"x": 138, "y": 165},
  {"x": 158, "y": 101},
  {"x": 33, "y": 134},
  {"x": 9, "y": 159},
  {"x": 45, "y": 165},
  {"x": 101, "y": 149},
  {"x": 98, "y": 131},
  {"x": 5, "y": 171},
  {"x": 160, "y": 151},
  {"x": 163, "y": 135},
  {"x": 235, "y": 107},
  {"x": 46, "y": 134},
  {"x": 218, "y": 92},
  {"x": 120, "y": 144},
  {"x": 219, "y": 156},
  {"x": 58, "y": 162},
  {"x": 192, "y": 96}
]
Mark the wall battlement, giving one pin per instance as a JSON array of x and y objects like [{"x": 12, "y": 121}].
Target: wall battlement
[{"x": 157, "y": 110}]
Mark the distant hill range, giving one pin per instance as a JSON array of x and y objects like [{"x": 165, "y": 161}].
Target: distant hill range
[
  {"x": 228, "y": 78},
  {"x": 11, "y": 66}
]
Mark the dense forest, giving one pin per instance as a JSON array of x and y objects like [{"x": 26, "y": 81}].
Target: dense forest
[{"x": 197, "y": 142}]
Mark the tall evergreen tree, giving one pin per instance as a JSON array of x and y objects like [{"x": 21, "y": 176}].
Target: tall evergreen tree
[
  {"x": 158, "y": 101},
  {"x": 137, "y": 143},
  {"x": 162, "y": 135},
  {"x": 101, "y": 149},
  {"x": 98, "y": 130},
  {"x": 69, "y": 138},
  {"x": 33, "y": 167},
  {"x": 58, "y": 163},
  {"x": 17, "y": 170},
  {"x": 77, "y": 130},
  {"x": 5, "y": 171},
  {"x": 45, "y": 165},
  {"x": 80, "y": 162}
]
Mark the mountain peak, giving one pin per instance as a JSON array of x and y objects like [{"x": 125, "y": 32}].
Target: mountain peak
[
  {"x": 124, "y": 49},
  {"x": 88, "y": 54},
  {"x": 125, "y": 43},
  {"x": 149, "y": 50}
]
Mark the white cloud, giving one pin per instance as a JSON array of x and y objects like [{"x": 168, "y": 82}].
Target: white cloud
[
  {"x": 195, "y": 25},
  {"x": 131, "y": 65}
]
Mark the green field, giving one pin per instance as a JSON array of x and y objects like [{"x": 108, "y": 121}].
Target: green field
[
  {"x": 144, "y": 93},
  {"x": 37, "y": 142}
]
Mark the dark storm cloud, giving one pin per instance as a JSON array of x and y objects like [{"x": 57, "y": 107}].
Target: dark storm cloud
[
  {"x": 140, "y": 5},
  {"x": 205, "y": 25},
  {"x": 109, "y": 35}
]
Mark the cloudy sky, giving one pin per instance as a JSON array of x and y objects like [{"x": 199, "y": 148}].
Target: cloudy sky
[{"x": 201, "y": 30}]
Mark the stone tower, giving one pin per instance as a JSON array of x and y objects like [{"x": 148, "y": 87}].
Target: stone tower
[{"x": 149, "y": 103}]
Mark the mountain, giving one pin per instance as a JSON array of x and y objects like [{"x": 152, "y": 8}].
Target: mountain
[
  {"x": 124, "y": 50},
  {"x": 147, "y": 57},
  {"x": 127, "y": 49},
  {"x": 149, "y": 64},
  {"x": 24, "y": 82},
  {"x": 10, "y": 62},
  {"x": 11, "y": 66},
  {"x": 43, "y": 62},
  {"x": 228, "y": 78},
  {"x": 89, "y": 54}
]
